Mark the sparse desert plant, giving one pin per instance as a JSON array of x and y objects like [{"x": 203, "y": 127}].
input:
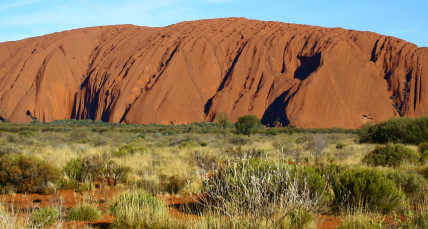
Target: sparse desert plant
[
  {"x": 84, "y": 212},
  {"x": 412, "y": 184},
  {"x": 89, "y": 169},
  {"x": 423, "y": 150},
  {"x": 44, "y": 217},
  {"x": 340, "y": 145},
  {"x": 357, "y": 221},
  {"x": 75, "y": 171},
  {"x": 318, "y": 144},
  {"x": 116, "y": 172},
  {"x": 174, "y": 184},
  {"x": 419, "y": 221},
  {"x": 6, "y": 148},
  {"x": 223, "y": 121},
  {"x": 364, "y": 189},
  {"x": 237, "y": 140},
  {"x": 247, "y": 124},
  {"x": 257, "y": 193},
  {"x": 22, "y": 174},
  {"x": 9, "y": 219},
  {"x": 129, "y": 149},
  {"x": 78, "y": 135},
  {"x": 138, "y": 209},
  {"x": 391, "y": 155}
]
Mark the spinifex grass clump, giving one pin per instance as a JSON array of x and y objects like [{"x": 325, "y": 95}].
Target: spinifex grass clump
[
  {"x": 391, "y": 155},
  {"x": 138, "y": 209},
  {"x": 262, "y": 193},
  {"x": 84, "y": 212},
  {"x": 44, "y": 217}
]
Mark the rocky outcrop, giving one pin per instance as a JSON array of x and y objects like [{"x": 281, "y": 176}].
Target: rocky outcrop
[{"x": 300, "y": 75}]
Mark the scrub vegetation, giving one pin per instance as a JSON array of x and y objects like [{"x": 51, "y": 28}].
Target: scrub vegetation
[{"x": 234, "y": 175}]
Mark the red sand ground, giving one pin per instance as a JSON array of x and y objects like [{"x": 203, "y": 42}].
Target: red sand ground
[{"x": 102, "y": 196}]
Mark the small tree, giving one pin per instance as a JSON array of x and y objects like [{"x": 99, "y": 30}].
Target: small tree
[
  {"x": 247, "y": 124},
  {"x": 223, "y": 121}
]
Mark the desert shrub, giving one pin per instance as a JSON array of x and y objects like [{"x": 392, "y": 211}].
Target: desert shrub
[
  {"x": 301, "y": 218},
  {"x": 391, "y": 155},
  {"x": 404, "y": 130},
  {"x": 94, "y": 166},
  {"x": 412, "y": 184},
  {"x": 6, "y": 148},
  {"x": 423, "y": 150},
  {"x": 426, "y": 173},
  {"x": 129, "y": 149},
  {"x": 423, "y": 147},
  {"x": 168, "y": 132},
  {"x": 357, "y": 222},
  {"x": 260, "y": 193},
  {"x": 74, "y": 170},
  {"x": 116, "y": 172},
  {"x": 340, "y": 145},
  {"x": 174, "y": 184},
  {"x": 26, "y": 134},
  {"x": 237, "y": 140},
  {"x": 188, "y": 144},
  {"x": 84, "y": 212},
  {"x": 23, "y": 174},
  {"x": 247, "y": 124},
  {"x": 85, "y": 186},
  {"x": 78, "y": 135},
  {"x": 140, "y": 210},
  {"x": 419, "y": 221},
  {"x": 89, "y": 168},
  {"x": 366, "y": 189},
  {"x": 44, "y": 217},
  {"x": 246, "y": 170},
  {"x": 223, "y": 121}
]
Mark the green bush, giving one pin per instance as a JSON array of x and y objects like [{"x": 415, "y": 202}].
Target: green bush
[
  {"x": 391, "y": 155},
  {"x": 247, "y": 124},
  {"x": 74, "y": 170},
  {"x": 357, "y": 222},
  {"x": 367, "y": 189},
  {"x": 174, "y": 184},
  {"x": 420, "y": 220},
  {"x": 140, "y": 210},
  {"x": 23, "y": 174},
  {"x": 423, "y": 150},
  {"x": 404, "y": 130},
  {"x": 340, "y": 145},
  {"x": 84, "y": 212},
  {"x": 44, "y": 217},
  {"x": 237, "y": 140},
  {"x": 129, "y": 149},
  {"x": 412, "y": 184},
  {"x": 6, "y": 148},
  {"x": 117, "y": 173},
  {"x": 89, "y": 168},
  {"x": 426, "y": 173},
  {"x": 188, "y": 144}
]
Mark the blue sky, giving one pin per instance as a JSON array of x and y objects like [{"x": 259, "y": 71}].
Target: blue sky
[{"x": 405, "y": 19}]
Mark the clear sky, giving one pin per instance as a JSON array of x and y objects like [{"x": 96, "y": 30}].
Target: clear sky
[{"x": 405, "y": 19}]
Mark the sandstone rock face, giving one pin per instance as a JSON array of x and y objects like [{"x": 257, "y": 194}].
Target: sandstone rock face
[{"x": 304, "y": 76}]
